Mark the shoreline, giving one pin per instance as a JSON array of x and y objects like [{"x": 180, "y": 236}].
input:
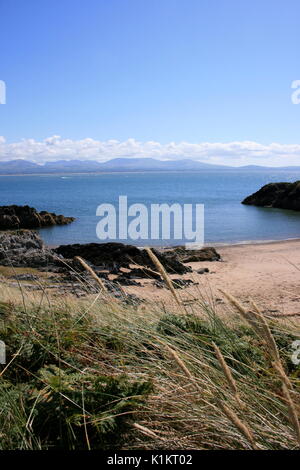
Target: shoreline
[
  {"x": 266, "y": 273},
  {"x": 108, "y": 172},
  {"x": 221, "y": 168},
  {"x": 119, "y": 172},
  {"x": 245, "y": 243},
  {"x": 253, "y": 242}
]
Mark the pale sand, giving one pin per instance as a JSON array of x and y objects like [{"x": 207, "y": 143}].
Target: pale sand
[{"x": 268, "y": 273}]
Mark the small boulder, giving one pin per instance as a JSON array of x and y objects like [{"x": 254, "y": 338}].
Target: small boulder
[
  {"x": 182, "y": 283},
  {"x": 203, "y": 271}
]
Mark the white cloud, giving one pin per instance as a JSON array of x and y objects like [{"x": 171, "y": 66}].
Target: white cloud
[{"x": 232, "y": 153}]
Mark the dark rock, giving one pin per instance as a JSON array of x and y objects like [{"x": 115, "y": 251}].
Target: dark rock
[
  {"x": 124, "y": 280},
  {"x": 131, "y": 299},
  {"x": 110, "y": 255},
  {"x": 102, "y": 275},
  {"x": 29, "y": 287},
  {"x": 115, "y": 269},
  {"x": 203, "y": 271},
  {"x": 142, "y": 273},
  {"x": 177, "y": 283},
  {"x": 25, "y": 217},
  {"x": 184, "y": 255},
  {"x": 25, "y": 277},
  {"x": 82, "y": 284},
  {"x": 55, "y": 278},
  {"x": 24, "y": 248},
  {"x": 182, "y": 283},
  {"x": 172, "y": 262},
  {"x": 159, "y": 284},
  {"x": 277, "y": 195},
  {"x": 53, "y": 269}
]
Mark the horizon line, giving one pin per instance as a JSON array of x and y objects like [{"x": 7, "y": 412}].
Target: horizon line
[{"x": 219, "y": 165}]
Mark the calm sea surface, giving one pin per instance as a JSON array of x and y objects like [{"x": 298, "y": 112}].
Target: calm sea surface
[{"x": 226, "y": 219}]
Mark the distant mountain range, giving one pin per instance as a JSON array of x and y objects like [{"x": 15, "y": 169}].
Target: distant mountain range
[{"x": 24, "y": 167}]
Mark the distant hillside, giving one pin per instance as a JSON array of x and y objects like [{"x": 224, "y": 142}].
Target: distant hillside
[
  {"x": 24, "y": 167},
  {"x": 150, "y": 164},
  {"x": 72, "y": 166},
  {"x": 18, "y": 166},
  {"x": 91, "y": 166}
]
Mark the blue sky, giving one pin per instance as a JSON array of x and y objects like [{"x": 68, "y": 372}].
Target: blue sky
[{"x": 178, "y": 78}]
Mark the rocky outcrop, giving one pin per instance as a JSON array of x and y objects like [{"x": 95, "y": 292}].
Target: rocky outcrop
[
  {"x": 277, "y": 195},
  {"x": 207, "y": 253},
  {"x": 24, "y": 248},
  {"x": 114, "y": 256},
  {"x": 108, "y": 255},
  {"x": 25, "y": 217}
]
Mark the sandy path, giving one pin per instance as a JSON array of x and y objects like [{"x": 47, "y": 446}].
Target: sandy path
[{"x": 259, "y": 271}]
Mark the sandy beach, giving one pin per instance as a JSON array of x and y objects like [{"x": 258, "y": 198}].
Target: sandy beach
[{"x": 268, "y": 273}]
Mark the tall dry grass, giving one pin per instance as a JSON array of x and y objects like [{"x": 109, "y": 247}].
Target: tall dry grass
[{"x": 216, "y": 381}]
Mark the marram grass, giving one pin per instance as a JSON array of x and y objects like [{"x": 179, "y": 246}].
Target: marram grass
[{"x": 100, "y": 374}]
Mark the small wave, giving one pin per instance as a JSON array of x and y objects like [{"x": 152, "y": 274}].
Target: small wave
[{"x": 251, "y": 242}]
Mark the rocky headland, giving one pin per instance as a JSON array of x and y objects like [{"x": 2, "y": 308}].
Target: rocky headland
[
  {"x": 25, "y": 217},
  {"x": 277, "y": 195}
]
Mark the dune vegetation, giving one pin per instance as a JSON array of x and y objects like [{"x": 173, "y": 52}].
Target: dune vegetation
[{"x": 102, "y": 373}]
